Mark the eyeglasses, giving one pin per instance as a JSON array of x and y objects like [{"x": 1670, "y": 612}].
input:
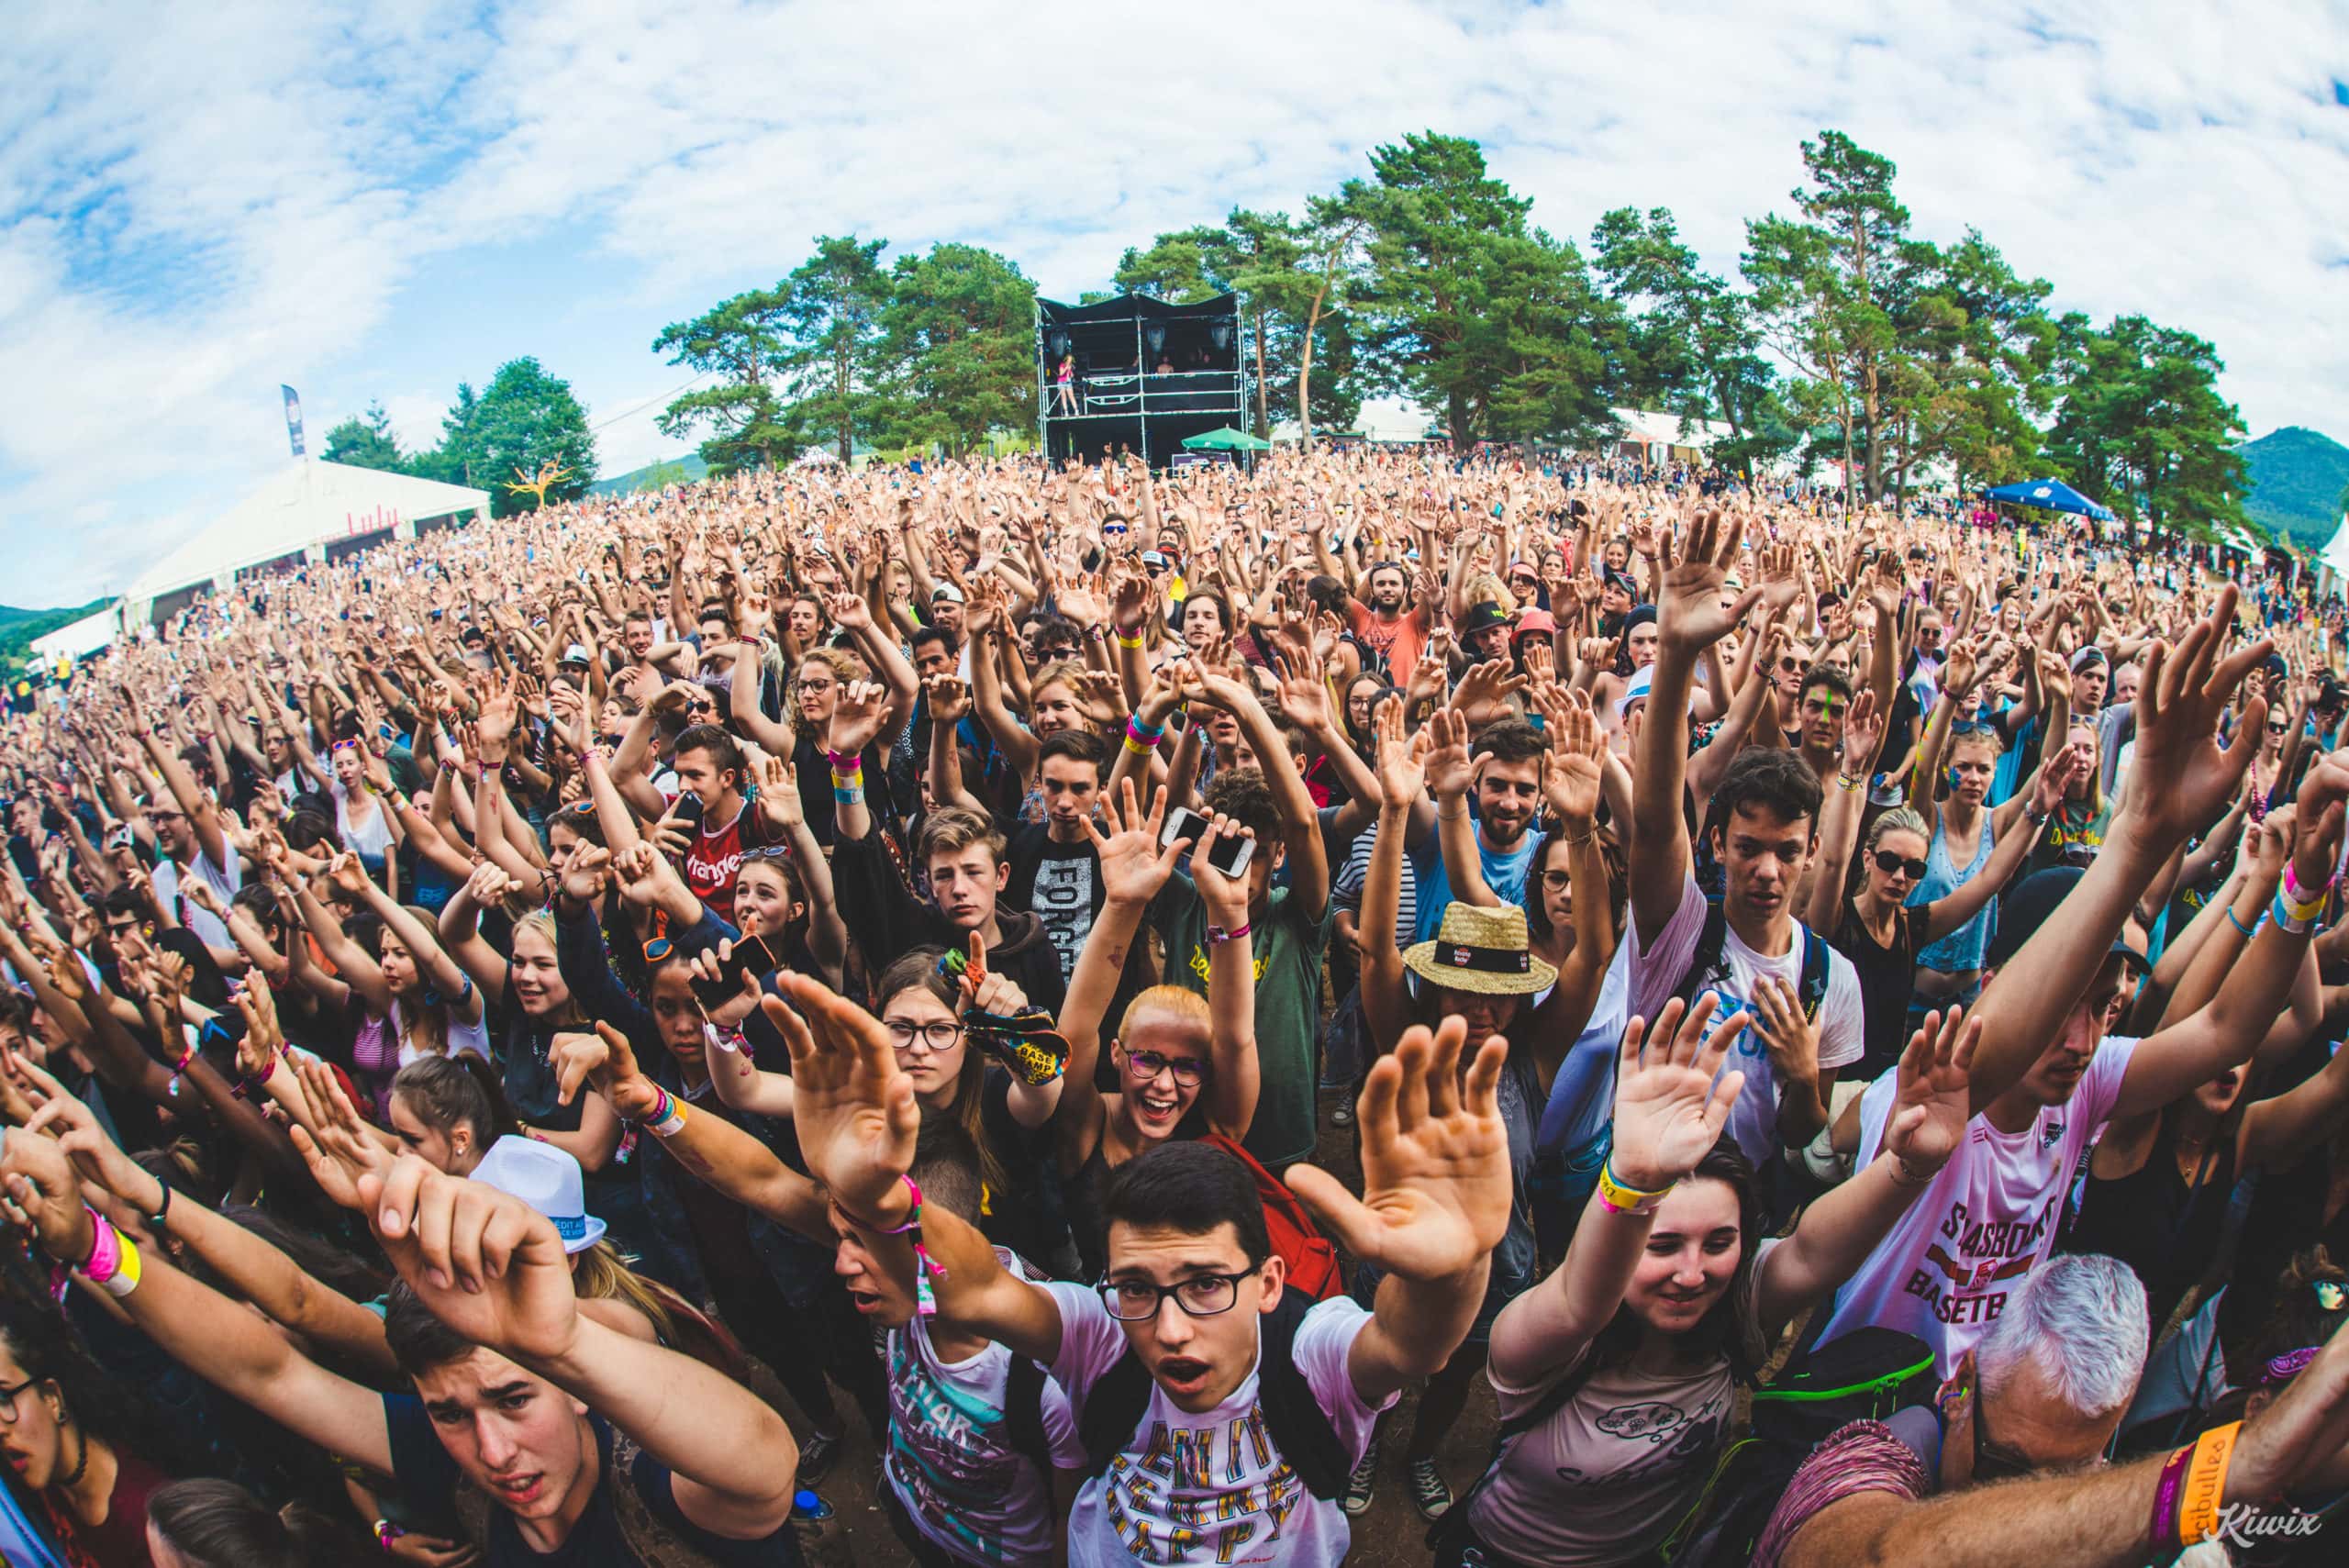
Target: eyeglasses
[
  {"x": 938, "y": 1034},
  {"x": 1972, "y": 727},
  {"x": 1892, "y": 864},
  {"x": 1147, "y": 1064},
  {"x": 1201, "y": 1295},
  {"x": 1558, "y": 881},
  {"x": 9, "y": 1394}
]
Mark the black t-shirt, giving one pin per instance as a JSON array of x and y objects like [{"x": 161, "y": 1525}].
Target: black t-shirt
[
  {"x": 428, "y": 1475},
  {"x": 1887, "y": 977},
  {"x": 1059, "y": 884}
]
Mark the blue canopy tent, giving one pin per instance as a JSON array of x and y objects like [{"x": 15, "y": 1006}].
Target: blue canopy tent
[{"x": 2050, "y": 495}]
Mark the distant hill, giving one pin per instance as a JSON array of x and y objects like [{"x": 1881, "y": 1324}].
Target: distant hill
[
  {"x": 653, "y": 476},
  {"x": 2297, "y": 479},
  {"x": 20, "y": 627}
]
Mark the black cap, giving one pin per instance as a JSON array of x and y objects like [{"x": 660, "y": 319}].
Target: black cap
[
  {"x": 1483, "y": 616},
  {"x": 2028, "y": 908},
  {"x": 2330, "y": 692}
]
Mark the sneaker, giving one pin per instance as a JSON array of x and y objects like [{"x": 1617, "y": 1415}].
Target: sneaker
[
  {"x": 816, "y": 1457},
  {"x": 1363, "y": 1483},
  {"x": 1429, "y": 1494}
]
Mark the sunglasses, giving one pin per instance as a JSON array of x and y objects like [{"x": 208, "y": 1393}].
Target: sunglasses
[{"x": 1892, "y": 864}]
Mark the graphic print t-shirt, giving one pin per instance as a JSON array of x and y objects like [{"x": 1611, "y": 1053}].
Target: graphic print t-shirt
[
  {"x": 1210, "y": 1488},
  {"x": 716, "y": 853},
  {"x": 1964, "y": 1248},
  {"x": 1656, "y": 972},
  {"x": 948, "y": 1461},
  {"x": 1061, "y": 885}
]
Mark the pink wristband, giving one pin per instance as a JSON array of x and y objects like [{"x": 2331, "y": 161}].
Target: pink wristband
[{"x": 106, "y": 1251}]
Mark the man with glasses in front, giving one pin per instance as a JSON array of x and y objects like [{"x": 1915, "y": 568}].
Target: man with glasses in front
[{"x": 1217, "y": 1411}]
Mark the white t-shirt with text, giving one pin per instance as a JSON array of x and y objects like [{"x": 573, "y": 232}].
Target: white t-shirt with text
[
  {"x": 1656, "y": 972},
  {"x": 1211, "y": 1487},
  {"x": 1965, "y": 1245}
]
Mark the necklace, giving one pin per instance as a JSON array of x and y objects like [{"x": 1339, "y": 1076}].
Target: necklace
[{"x": 81, "y": 1464}]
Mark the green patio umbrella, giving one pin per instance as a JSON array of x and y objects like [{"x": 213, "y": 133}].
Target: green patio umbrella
[{"x": 1226, "y": 441}]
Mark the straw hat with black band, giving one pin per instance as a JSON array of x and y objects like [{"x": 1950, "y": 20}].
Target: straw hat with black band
[{"x": 1486, "y": 951}]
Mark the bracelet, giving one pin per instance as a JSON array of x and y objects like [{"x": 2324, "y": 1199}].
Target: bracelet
[
  {"x": 926, "y": 1267},
  {"x": 1136, "y": 730},
  {"x": 125, "y": 1278},
  {"x": 848, "y": 796},
  {"x": 1140, "y": 748},
  {"x": 2206, "y": 1483},
  {"x": 1847, "y": 783},
  {"x": 1217, "y": 936},
  {"x": 2038, "y": 818},
  {"x": 845, "y": 762},
  {"x": 2162, "y": 1532},
  {"x": 1125, "y": 641},
  {"x": 2283, "y": 915},
  {"x": 2296, "y": 895},
  {"x": 1576, "y": 840},
  {"x": 387, "y": 1532},
  {"x": 155, "y": 1220},
  {"x": 672, "y": 1120},
  {"x": 1901, "y": 1178},
  {"x": 1616, "y": 1198},
  {"x": 2246, "y": 931}
]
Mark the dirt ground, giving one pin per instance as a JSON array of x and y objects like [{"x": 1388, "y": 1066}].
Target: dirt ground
[{"x": 1390, "y": 1535}]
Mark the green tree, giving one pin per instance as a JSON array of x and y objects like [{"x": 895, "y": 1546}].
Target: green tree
[
  {"x": 1181, "y": 268},
  {"x": 1968, "y": 379},
  {"x": 1331, "y": 241},
  {"x": 459, "y": 459},
  {"x": 740, "y": 341},
  {"x": 1691, "y": 344},
  {"x": 525, "y": 418},
  {"x": 2139, "y": 425},
  {"x": 832, "y": 360},
  {"x": 365, "y": 440},
  {"x": 1471, "y": 309},
  {"x": 958, "y": 335},
  {"x": 1823, "y": 286}
]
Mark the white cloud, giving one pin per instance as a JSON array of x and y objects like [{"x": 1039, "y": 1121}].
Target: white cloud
[{"x": 198, "y": 204}]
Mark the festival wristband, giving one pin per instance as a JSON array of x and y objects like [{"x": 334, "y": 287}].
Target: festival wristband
[
  {"x": 2297, "y": 895},
  {"x": 1140, "y": 748},
  {"x": 387, "y": 1532},
  {"x": 1125, "y": 641},
  {"x": 2293, "y": 923},
  {"x": 2162, "y": 1531},
  {"x": 125, "y": 1278},
  {"x": 1846, "y": 783},
  {"x": 845, "y": 762},
  {"x": 671, "y": 1119},
  {"x": 926, "y": 1267},
  {"x": 1217, "y": 936},
  {"x": 2206, "y": 1484},
  {"x": 847, "y": 796},
  {"x": 1616, "y": 1198}
]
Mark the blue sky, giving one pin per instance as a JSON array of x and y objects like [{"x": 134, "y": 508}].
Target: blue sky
[{"x": 196, "y": 204}]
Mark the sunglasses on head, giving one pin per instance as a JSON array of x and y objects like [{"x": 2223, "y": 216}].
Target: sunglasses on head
[{"x": 1892, "y": 864}]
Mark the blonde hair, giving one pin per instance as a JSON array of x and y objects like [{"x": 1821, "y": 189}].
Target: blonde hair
[
  {"x": 1184, "y": 1005},
  {"x": 1900, "y": 820}
]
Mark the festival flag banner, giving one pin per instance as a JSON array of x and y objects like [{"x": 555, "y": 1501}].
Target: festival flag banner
[{"x": 293, "y": 416}]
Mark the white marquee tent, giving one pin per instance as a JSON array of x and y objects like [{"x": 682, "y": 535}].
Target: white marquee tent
[
  {"x": 73, "y": 640},
  {"x": 311, "y": 511}
]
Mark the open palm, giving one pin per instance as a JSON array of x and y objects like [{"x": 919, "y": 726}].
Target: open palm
[
  {"x": 1435, "y": 1170},
  {"x": 1932, "y": 1099},
  {"x": 1669, "y": 1111},
  {"x": 853, "y": 1106}
]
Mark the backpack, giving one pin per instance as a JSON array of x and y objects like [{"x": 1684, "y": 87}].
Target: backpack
[
  {"x": 1115, "y": 1404},
  {"x": 1708, "y": 964},
  {"x": 1310, "y": 1259}
]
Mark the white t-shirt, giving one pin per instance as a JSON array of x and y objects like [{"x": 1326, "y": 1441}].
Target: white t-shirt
[
  {"x": 962, "y": 1484},
  {"x": 1210, "y": 1487},
  {"x": 1989, "y": 1218},
  {"x": 1656, "y": 972},
  {"x": 209, "y": 928}
]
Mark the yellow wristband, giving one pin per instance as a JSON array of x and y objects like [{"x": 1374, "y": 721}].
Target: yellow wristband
[
  {"x": 1623, "y": 1199},
  {"x": 2206, "y": 1484},
  {"x": 1125, "y": 641},
  {"x": 125, "y": 1278}
]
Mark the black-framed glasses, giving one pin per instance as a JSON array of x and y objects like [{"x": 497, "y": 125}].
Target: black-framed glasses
[
  {"x": 1201, "y": 1295},
  {"x": 938, "y": 1034},
  {"x": 8, "y": 1395},
  {"x": 1147, "y": 1065},
  {"x": 1892, "y": 864},
  {"x": 1558, "y": 881}
]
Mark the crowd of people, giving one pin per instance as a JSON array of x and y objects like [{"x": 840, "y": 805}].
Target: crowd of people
[{"x": 518, "y": 1045}]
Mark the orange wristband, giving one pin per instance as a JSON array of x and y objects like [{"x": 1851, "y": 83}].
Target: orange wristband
[{"x": 2206, "y": 1484}]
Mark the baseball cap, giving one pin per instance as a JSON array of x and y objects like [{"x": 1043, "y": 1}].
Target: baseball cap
[
  {"x": 1534, "y": 622},
  {"x": 574, "y": 654},
  {"x": 1153, "y": 557},
  {"x": 2030, "y": 906},
  {"x": 947, "y": 594},
  {"x": 1483, "y": 616}
]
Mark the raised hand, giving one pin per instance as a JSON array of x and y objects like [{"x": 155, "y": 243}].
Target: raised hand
[
  {"x": 1572, "y": 769},
  {"x": 602, "y": 1060},
  {"x": 850, "y": 612},
  {"x": 2179, "y": 700},
  {"x": 1484, "y": 691},
  {"x": 857, "y": 713},
  {"x": 949, "y": 698},
  {"x": 1226, "y": 897},
  {"x": 1863, "y": 732},
  {"x": 779, "y": 791},
  {"x": 1449, "y": 770},
  {"x": 1134, "y": 865},
  {"x": 1690, "y": 614},
  {"x": 1435, "y": 1170},
  {"x": 486, "y": 1263},
  {"x": 584, "y": 873},
  {"x": 1931, "y": 1103},
  {"x": 1669, "y": 1110},
  {"x": 853, "y": 1106}
]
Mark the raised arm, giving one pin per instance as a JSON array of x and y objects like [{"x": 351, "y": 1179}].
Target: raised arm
[
  {"x": 1690, "y": 619},
  {"x": 1839, "y": 820},
  {"x": 1232, "y": 1091}
]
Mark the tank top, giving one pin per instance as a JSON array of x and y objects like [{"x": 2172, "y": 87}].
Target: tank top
[
  {"x": 2155, "y": 1220},
  {"x": 1962, "y": 949}
]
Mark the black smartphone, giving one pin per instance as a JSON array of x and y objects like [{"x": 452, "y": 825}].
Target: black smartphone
[
  {"x": 688, "y": 810},
  {"x": 1231, "y": 856},
  {"x": 750, "y": 955}
]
